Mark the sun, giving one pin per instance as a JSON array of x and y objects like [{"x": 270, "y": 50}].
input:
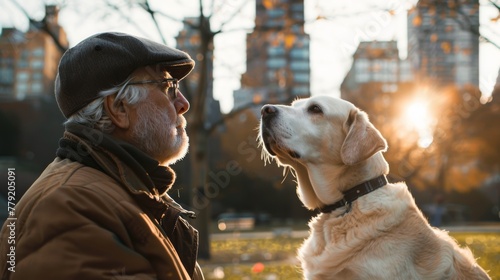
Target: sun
[
  {"x": 417, "y": 114},
  {"x": 419, "y": 117}
]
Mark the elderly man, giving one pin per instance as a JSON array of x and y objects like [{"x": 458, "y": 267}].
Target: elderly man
[{"x": 101, "y": 209}]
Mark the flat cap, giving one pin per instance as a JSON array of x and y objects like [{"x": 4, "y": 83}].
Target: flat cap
[{"x": 106, "y": 60}]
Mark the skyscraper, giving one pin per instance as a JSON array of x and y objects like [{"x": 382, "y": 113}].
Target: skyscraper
[
  {"x": 277, "y": 55},
  {"x": 443, "y": 41},
  {"x": 377, "y": 62}
]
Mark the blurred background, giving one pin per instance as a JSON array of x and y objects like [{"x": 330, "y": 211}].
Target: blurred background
[{"x": 426, "y": 72}]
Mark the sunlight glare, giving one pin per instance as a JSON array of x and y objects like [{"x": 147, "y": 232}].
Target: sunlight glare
[
  {"x": 420, "y": 119},
  {"x": 417, "y": 115}
]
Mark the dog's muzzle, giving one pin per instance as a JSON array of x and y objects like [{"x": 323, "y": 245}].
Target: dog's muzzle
[{"x": 268, "y": 113}]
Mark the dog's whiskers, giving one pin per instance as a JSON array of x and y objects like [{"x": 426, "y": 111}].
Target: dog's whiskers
[
  {"x": 287, "y": 170},
  {"x": 263, "y": 154}
]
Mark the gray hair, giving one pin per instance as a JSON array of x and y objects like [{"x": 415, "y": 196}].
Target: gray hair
[{"x": 93, "y": 115}]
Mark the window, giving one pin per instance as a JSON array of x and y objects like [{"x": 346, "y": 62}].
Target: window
[
  {"x": 37, "y": 76},
  {"x": 391, "y": 66},
  {"x": 362, "y": 77},
  {"x": 22, "y": 63},
  {"x": 38, "y": 52},
  {"x": 405, "y": 71},
  {"x": 37, "y": 87},
  {"x": 301, "y": 77},
  {"x": 274, "y": 63},
  {"x": 21, "y": 88},
  {"x": 298, "y": 7},
  {"x": 6, "y": 75},
  {"x": 275, "y": 23},
  {"x": 36, "y": 64},
  {"x": 359, "y": 68},
  {"x": 276, "y": 51},
  {"x": 299, "y": 53},
  {"x": 378, "y": 76},
  {"x": 302, "y": 90},
  {"x": 463, "y": 57},
  {"x": 22, "y": 76},
  {"x": 299, "y": 65},
  {"x": 25, "y": 54},
  {"x": 463, "y": 74},
  {"x": 276, "y": 13},
  {"x": 362, "y": 63},
  {"x": 298, "y": 16}
]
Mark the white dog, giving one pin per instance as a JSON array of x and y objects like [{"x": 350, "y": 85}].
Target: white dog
[{"x": 368, "y": 228}]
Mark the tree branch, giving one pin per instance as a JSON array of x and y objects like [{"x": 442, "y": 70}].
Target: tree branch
[
  {"x": 234, "y": 30},
  {"x": 125, "y": 16},
  {"x": 495, "y": 4},
  {"x": 201, "y": 9},
  {"x": 152, "y": 13},
  {"x": 350, "y": 15},
  {"x": 232, "y": 17}
]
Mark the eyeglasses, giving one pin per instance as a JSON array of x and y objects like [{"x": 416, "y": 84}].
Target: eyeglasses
[{"x": 169, "y": 85}]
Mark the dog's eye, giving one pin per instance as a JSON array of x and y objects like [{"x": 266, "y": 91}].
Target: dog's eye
[{"x": 314, "y": 109}]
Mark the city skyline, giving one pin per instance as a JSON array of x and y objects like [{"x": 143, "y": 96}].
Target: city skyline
[{"x": 333, "y": 42}]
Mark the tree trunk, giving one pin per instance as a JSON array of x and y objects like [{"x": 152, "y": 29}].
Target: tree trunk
[{"x": 199, "y": 142}]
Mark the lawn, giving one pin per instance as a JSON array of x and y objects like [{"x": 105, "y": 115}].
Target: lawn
[
  {"x": 274, "y": 259},
  {"x": 486, "y": 248}
]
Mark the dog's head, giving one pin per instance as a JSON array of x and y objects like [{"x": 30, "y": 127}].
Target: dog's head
[{"x": 329, "y": 143}]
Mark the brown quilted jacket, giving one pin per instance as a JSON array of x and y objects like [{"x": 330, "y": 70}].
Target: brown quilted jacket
[{"x": 77, "y": 222}]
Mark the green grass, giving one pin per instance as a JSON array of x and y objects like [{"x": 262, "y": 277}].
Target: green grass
[
  {"x": 486, "y": 248},
  {"x": 274, "y": 259}
]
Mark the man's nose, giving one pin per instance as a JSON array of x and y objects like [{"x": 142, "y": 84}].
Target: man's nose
[{"x": 181, "y": 104}]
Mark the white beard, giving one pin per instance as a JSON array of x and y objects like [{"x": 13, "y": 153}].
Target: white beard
[{"x": 154, "y": 136}]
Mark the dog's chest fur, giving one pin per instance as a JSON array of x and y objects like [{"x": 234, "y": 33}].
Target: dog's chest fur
[{"x": 368, "y": 242}]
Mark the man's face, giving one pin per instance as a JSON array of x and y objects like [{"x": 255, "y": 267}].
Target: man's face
[{"x": 159, "y": 125}]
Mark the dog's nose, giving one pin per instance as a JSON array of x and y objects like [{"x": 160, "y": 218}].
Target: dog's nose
[{"x": 268, "y": 110}]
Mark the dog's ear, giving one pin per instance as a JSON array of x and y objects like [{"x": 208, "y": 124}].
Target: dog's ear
[{"x": 363, "y": 140}]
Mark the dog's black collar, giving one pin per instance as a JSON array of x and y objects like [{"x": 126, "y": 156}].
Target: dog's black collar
[{"x": 356, "y": 192}]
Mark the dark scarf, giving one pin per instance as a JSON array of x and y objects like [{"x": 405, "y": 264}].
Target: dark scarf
[{"x": 158, "y": 179}]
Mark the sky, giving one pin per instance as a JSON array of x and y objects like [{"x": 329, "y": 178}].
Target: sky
[{"x": 333, "y": 38}]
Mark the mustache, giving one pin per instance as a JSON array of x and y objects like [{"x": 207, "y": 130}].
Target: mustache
[{"x": 181, "y": 121}]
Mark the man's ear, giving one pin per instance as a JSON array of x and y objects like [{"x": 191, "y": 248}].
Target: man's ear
[
  {"x": 117, "y": 111},
  {"x": 363, "y": 140}
]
